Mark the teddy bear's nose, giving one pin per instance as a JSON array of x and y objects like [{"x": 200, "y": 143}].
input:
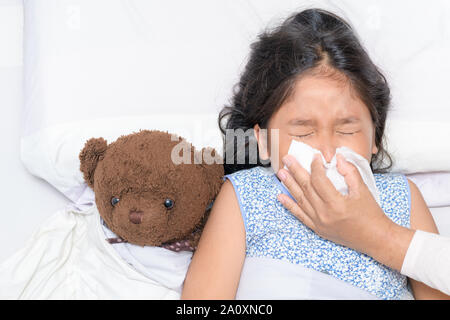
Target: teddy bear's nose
[{"x": 136, "y": 216}]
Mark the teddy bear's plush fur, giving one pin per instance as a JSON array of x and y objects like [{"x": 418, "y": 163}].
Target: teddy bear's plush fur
[{"x": 142, "y": 195}]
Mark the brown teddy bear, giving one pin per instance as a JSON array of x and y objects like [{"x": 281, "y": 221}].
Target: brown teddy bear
[{"x": 144, "y": 196}]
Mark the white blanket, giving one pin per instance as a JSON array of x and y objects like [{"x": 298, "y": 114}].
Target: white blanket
[
  {"x": 68, "y": 258},
  {"x": 264, "y": 278}
]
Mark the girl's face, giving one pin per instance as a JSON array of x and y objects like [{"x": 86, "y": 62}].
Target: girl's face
[{"x": 326, "y": 114}]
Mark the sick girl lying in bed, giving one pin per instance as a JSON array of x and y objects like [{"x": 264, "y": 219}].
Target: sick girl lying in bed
[{"x": 310, "y": 80}]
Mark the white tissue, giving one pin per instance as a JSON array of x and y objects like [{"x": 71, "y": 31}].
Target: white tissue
[{"x": 304, "y": 155}]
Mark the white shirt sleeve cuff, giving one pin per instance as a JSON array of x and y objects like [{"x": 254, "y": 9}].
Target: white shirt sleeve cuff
[{"x": 428, "y": 260}]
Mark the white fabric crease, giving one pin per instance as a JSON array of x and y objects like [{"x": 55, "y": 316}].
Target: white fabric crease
[{"x": 69, "y": 258}]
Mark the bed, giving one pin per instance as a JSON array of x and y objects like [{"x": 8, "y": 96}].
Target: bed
[{"x": 69, "y": 72}]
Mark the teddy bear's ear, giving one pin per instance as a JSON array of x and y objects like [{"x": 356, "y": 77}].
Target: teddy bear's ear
[
  {"x": 93, "y": 151},
  {"x": 213, "y": 165}
]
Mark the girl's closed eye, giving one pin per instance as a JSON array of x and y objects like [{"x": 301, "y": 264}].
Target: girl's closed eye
[
  {"x": 302, "y": 135},
  {"x": 348, "y": 132}
]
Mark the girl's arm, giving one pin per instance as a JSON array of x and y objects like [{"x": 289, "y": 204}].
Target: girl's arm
[
  {"x": 421, "y": 219},
  {"x": 216, "y": 266}
]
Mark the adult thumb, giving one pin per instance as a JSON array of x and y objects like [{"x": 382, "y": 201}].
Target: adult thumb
[{"x": 351, "y": 175}]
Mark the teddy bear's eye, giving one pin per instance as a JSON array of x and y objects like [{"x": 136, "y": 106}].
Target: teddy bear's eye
[
  {"x": 115, "y": 201},
  {"x": 168, "y": 203}
]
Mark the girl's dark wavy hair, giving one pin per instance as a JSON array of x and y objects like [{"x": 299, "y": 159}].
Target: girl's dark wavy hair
[{"x": 301, "y": 43}]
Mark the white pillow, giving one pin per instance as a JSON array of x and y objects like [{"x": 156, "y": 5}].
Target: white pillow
[
  {"x": 52, "y": 153},
  {"x": 110, "y": 67},
  {"x": 418, "y": 146},
  {"x": 434, "y": 187}
]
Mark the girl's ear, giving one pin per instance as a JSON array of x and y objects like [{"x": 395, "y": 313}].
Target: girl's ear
[
  {"x": 261, "y": 137},
  {"x": 374, "y": 149},
  {"x": 93, "y": 151},
  {"x": 374, "y": 146}
]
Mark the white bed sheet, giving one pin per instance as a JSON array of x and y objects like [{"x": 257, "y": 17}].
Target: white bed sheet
[
  {"x": 26, "y": 200},
  {"x": 441, "y": 216}
]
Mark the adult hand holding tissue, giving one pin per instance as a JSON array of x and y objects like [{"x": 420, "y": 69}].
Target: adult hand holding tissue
[
  {"x": 304, "y": 154},
  {"x": 354, "y": 221},
  {"x": 337, "y": 217}
]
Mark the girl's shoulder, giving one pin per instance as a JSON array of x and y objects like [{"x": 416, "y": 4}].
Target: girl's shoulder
[
  {"x": 395, "y": 196},
  {"x": 254, "y": 184},
  {"x": 256, "y": 174},
  {"x": 389, "y": 175},
  {"x": 391, "y": 180},
  {"x": 254, "y": 170}
]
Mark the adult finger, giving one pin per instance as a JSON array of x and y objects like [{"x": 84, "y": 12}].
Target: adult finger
[
  {"x": 292, "y": 206},
  {"x": 295, "y": 190},
  {"x": 319, "y": 180},
  {"x": 351, "y": 175},
  {"x": 304, "y": 181}
]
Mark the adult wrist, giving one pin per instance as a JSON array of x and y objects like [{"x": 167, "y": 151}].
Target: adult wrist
[{"x": 390, "y": 243}]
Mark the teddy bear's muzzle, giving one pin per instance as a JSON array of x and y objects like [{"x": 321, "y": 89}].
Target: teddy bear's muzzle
[{"x": 136, "y": 216}]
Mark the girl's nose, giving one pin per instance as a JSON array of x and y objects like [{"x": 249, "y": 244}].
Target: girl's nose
[
  {"x": 328, "y": 151},
  {"x": 328, "y": 155}
]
